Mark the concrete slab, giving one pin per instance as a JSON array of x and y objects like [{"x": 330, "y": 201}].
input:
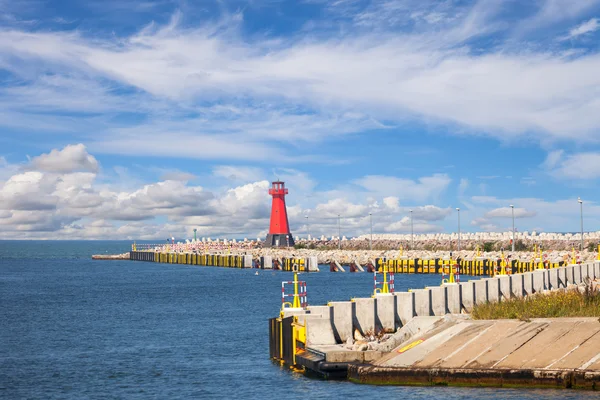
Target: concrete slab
[
  {"x": 597, "y": 269},
  {"x": 579, "y": 344},
  {"x": 341, "y": 317},
  {"x": 577, "y": 277},
  {"x": 363, "y": 317},
  {"x": 405, "y": 307},
  {"x": 423, "y": 348},
  {"x": 467, "y": 290},
  {"x": 562, "y": 277},
  {"x": 553, "y": 278},
  {"x": 318, "y": 330},
  {"x": 493, "y": 290},
  {"x": 505, "y": 287},
  {"x": 267, "y": 262},
  {"x": 527, "y": 283},
  {"x": 570, "y": 271},
  {"x": 324, "y": 311},
  {"x": 516, "y": 285},
  {"x": 481, "y": 291},
  {"x": 385, "y": 316},
  {"x": 453, "y": 298},
  {"x": 423, "y": 302},
  {"x": 538, "y": 280},
  {"x": 438, "y": 300},
  {"x": 534, "y": 348}
]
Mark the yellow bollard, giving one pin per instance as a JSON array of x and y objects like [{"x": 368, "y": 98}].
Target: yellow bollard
[
  {"x": 296, "y": 302},
  {"x": 573, "y": 257},
  {"x": 598, "y": 258}
]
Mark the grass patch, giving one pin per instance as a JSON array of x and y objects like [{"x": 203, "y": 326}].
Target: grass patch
[{"x": 565, "y": 303}]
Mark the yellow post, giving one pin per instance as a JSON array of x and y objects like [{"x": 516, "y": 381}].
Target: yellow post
[
  {"x": 598, "y": 258},
  {"x": 573, "y": 257},
  {"x": 134, "y": 247},
  {"x": 385, "y": 288},
  {"x": 296, "y": 302},
  {"x": 400, "y": 251},
  {"x": 478, "y": 252},
  {"x": 502, "y": 264}
]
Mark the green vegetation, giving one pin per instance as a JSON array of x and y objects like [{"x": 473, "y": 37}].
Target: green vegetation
[
  {"x": 488, "y": 246},
  {"x": 520, "y": 245},
  {"x": 562, "y": 303}
]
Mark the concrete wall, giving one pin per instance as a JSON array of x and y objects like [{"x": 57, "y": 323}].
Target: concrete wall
[{"x": 338, "y": 320}]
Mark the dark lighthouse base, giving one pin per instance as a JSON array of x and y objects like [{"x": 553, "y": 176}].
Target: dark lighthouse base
[{"x": 279, "y": 240}]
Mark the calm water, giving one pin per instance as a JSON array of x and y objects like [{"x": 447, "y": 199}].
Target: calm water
[{"x": 75, "y": 328}]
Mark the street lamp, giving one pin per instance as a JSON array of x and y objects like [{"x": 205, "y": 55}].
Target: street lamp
[
  {"x": 412, "y": 232},
  {"x": 339, "y": 233},
  {"x": 581, "y": 215},
  {"x": 458, "y": 212},
  {"x": 371, "y": 239},
  {"x": 512, "y": 207},
  {"x": 195, "y": 230}
]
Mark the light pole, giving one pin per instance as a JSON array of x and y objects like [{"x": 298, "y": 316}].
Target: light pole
[
  {"x": 412, "y": 232},
  {"x": 339, "y": 233},
  {"x": 371, "y": 239},
  {"x": 581, "y": 215},
  {"x": 458, "y": 212},
  {"x": 512, "y": 208},
  {"x": 195, "y": 230},
  {"x": 307, "y": 228}
]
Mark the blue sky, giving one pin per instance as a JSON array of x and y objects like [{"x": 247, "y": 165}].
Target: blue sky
[{"x": 146, "y": 119}]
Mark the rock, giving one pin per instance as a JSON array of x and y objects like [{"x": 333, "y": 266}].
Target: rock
[{"x": 357, "y": 335}]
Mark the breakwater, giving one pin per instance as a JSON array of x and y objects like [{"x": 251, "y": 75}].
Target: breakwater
[{"x": 363, "y": 338}]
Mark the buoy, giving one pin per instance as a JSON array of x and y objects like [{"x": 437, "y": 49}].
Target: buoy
[{"x": 256, "y": 273}]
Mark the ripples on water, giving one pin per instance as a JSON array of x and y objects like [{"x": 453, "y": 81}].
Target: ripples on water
[{"x": 75, "y": 328}]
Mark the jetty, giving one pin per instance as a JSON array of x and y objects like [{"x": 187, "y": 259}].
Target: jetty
[{"x": 426, "y": 336}]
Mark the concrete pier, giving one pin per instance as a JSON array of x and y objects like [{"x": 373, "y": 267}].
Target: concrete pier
[{"x": 434, "y": 343}]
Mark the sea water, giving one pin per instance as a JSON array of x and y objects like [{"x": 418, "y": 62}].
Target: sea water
[{"x": 72, "y": 327}]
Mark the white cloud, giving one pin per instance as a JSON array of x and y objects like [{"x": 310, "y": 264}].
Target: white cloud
[
  {"x": 422, "y": 189},
  {"x": 463, "y": 186},
  {"x": 238, "y": 173},
  {"x": 578, "y": 166},
  {"x": 72, "y": 158},
  {"x": 431, "y": 213},
  {"x": 507, "y": 212},
  {"x": 586, "y": 27},
  {"x": 341, "y": 81}
]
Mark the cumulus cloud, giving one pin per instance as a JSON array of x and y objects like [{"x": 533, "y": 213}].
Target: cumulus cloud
[
  {"x": 72, "y": 158},
  {"x": 238, "y": 173}
]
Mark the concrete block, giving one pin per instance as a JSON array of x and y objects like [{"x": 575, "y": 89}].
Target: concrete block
[
  {"x": 423, "y": 302},
  {"x": 481, "y": 291},
  {"x": 467, "y": 290},
  {"x": 248, "y": 261},
  {"x": 323, "y": 311},
  {"x": 516, "y": 285},
  {"x": 438, "y": 300},
  {"x": 553, "y": 280},
  {"x": 505, "y": 288},
  {"x": 385, "y": 316},
  {"x": 562, "y": 277},
  {"x": 570, "y": 271},
  {"x": 405, "y": 307},
  {"x": 538, "y": 280},
  {"x": 597, "y": 270},
  {"x": 364, "y": 315},
  {"x": 587, "y": 271},
  {"x": 527, "y": 283},
  {"x": 453, "y": 299},
  {"x": 577, "y": 278},
  {"x": 341, "y": 316},
  {"x": 318, "y": 331},
  {"x": 313, "y": 264},
  {"x": 267, "y": 262},
  {"x": 493, "y": 290}
]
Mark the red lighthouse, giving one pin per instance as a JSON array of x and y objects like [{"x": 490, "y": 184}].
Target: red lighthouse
[{"x": 279, "y": 230}]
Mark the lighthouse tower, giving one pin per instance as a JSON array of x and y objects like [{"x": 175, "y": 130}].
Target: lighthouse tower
[{"x": 279, "y": 230}]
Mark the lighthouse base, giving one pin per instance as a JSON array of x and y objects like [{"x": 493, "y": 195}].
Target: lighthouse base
[{"x": 279, "y": 240}]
